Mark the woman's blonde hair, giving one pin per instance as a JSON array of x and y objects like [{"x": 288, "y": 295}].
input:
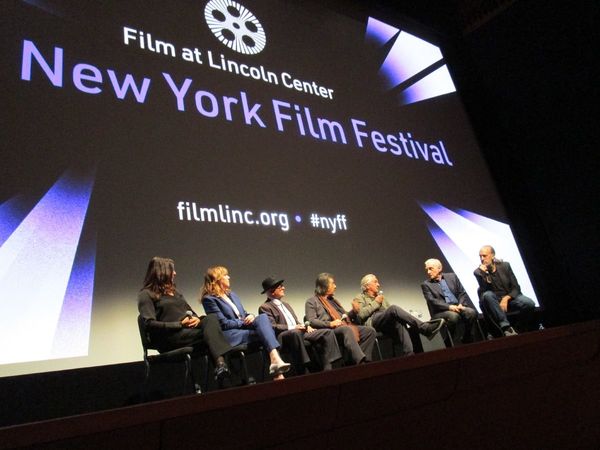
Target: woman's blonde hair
[{"x": 211, "y": 284}]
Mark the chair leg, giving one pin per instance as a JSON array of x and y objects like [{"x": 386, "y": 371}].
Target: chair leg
[
  {"x": 378, "y": 349},
  {"x": 244, "y": 368},
  {"x": 262, "y": 364},
  {"x": 206, "y": 373},
  {"x": 450, "y": 341},
  {"x": 146, "y": 378},
  {"x": 189, "y": 375},
  {"x": 497, "y": 331},
  {"x": 480, "y": 330}
]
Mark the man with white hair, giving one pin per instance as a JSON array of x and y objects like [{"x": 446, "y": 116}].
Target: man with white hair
[
  {"x": 370, "y": 308},
  {"x": 447, "y": 299}
]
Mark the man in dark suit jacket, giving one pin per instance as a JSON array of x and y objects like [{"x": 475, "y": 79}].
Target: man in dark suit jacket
[
  {"x": 499, "y": 292},
  {"x": 447, "y": 299},
  {"x": 324, "y": 311},
  {"x": 292, "y": 334}
]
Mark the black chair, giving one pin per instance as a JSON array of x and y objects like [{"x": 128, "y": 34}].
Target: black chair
[
  {"x": 449, "y": 340},
  {"x": 178, "y": 355},
  {"x": 241, "y": 351}
]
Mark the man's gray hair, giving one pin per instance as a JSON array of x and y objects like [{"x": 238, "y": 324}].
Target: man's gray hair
[
  {"x": 434, "y": 262},
  {"x": 366, "y": 280}
]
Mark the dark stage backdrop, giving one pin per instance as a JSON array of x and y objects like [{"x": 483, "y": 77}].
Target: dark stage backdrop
[{"x": 271, "y": 137}]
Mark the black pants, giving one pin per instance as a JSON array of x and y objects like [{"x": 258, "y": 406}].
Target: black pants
[
  {"x": 393, "y": 322},
  {"x": 207, "y": 335}
]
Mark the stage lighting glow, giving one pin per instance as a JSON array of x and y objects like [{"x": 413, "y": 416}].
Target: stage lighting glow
[
  {"x": 435, "y": 84},
  {"x": 36, "y": 264}
]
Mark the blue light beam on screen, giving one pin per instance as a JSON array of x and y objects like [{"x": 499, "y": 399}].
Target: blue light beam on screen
[
  {"x": 36, "y": 265},
  {"x": 409, "y": 55},
  {"x": 46, "y": 6},
  {"x": 435, "y": 84},
  {"x": 73, "y": 330},
  {"x": 461, "y": 234},
  {"x": 379, "y": 33},
  {"x": 12, "y": 212}
]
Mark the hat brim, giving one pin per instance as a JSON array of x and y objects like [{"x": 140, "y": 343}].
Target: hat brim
[{"x": 273, "y": 286}]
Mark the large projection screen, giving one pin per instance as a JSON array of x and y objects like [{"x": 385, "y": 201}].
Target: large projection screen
[{"x": 272, "y": 137}]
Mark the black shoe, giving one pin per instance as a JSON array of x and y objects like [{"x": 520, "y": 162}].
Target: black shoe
[
  {"x": 431, "y": 328},
  {"x": 221, "y": 371},
  {"x": 510, "y": 331}
]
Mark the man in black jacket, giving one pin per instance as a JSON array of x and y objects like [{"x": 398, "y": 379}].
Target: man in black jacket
[{"x": 499, "y": 292}]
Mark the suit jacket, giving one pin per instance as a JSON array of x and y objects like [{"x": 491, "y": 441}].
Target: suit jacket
[
  {"x": 276, "y": 316},
  {"x": 432, "y": 291},
  {"x": 506, "y": 276},
  {"x": 230, "y": 324},
  {"x": 317, "y": 315}
]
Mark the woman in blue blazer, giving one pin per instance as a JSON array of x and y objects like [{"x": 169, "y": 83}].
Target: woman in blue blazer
[{"x": 239, "y": 327}]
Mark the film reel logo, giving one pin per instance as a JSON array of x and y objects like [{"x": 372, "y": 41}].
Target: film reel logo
[{"x": 235, "y": 26}]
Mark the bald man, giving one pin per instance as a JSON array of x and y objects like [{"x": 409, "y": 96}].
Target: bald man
[
  {"x": 448, "y": 300},
  {"x": 499, "y": 293}
]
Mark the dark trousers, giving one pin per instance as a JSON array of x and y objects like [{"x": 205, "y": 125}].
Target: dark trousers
[
  {"x": 467, "y": 316},
  {"x": 208, "y": 334},
  {"x": 490, "y": 306},
  {"x": 294, "y": 342},
  {"x": 392, "y": 322},
  {"x": 361, "y": 350}
]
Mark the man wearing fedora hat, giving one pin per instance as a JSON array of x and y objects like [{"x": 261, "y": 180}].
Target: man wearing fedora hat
[{"x": 294, "y": 335}]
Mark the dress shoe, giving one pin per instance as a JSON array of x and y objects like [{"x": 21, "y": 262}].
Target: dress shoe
[
  {"x": 510, "y": 331},
  {"x": 221, "y": 371},
  {"x": 431, "y": 328},
  {"x": 276, "y": 369}
]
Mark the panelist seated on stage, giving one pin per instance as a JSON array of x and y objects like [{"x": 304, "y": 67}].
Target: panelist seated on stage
[
  {"x": 371, "y": 308},
  {"x": 323, "y": 311},
  {"x": 292, "y": 334},
  {"x": 239, "y": 326},
  {"x": 447, "y": 299},
  {"x": 171, "y": 322},
  {"x": 499, "y": 293}
]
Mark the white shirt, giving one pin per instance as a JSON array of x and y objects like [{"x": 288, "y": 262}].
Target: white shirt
[
  {"x": 227, "y": 300},
  {"x": 289, "y": 318}
]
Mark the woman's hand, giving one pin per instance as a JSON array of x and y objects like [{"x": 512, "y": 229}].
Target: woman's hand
[
  {"x": 249, "y": 319},
  {"x": 190, "y": 322}
]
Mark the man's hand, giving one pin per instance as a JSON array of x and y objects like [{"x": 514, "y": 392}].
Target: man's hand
[
  {"x": 379, "y": 299},
  {"x": 454, "y": 308},
  {"x": 300, "y": 327},
  {"x": 504, "y": 303},
  {"x": 355, "y": 306},
  {"x": 335, "y": 323},
  {"x": 483, "y": 268}
]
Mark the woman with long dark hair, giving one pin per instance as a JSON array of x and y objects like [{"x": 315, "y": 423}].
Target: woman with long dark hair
[
  {"x": 171, "y": 321},
  {"x": 239, "y": 326}
]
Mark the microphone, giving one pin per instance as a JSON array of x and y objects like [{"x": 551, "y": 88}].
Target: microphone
[
  {"x": 344, "y": 316},
  {"x": 189, "y": 314},
  {"x": 380, "y": 292}
]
